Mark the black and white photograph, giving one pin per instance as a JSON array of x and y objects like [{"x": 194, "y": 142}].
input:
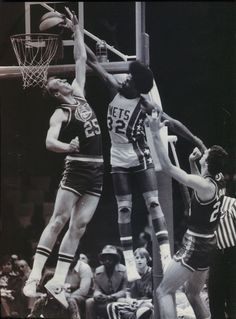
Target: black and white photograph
[{"x": 118, "y": 160}]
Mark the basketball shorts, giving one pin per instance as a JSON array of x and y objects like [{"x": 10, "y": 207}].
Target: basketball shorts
[
  {"x": 83, "y": 177},
  {"x": 196, "y": 252},
  {"x": 124, "y": 178}
]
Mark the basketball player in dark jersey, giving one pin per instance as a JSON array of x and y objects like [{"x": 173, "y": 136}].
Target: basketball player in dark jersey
[
  {"x": 190, "y": 264},
  {"x": 74, "y": 130},
  {"x": 131, "y": 160}
]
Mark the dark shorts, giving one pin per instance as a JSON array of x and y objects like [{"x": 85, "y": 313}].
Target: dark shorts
[
  {"x": 83, "y": 177},
  {"x": 196, "y": 252},
  {"x": 144, "y": 178}
]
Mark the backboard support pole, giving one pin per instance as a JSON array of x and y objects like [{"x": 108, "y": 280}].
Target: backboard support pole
[{"x": 142, "y": 38}]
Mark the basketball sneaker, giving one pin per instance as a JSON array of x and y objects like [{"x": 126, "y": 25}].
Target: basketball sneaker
[
  {"x": 57, "y": 291},
  {"x": 132, "y": 273},
  {"x": 30, "y": 288}
]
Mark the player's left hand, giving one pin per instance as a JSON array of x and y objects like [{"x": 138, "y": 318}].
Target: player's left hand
[
  {"x": 155, "y": 122},
  {"x": 73, "y": 18},
  {"x": 196, "y": 154}
]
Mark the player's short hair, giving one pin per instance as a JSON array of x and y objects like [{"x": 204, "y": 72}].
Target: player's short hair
[
  {"x": 142, "y": 76},
  {"x": 49, "y": 90},
  {"x": 216, "y": 159}
]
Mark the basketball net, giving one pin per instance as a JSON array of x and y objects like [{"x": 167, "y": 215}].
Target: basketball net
[{"x": 34, "y": 52}]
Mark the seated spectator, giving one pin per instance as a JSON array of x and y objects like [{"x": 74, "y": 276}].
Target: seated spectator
[
  {"x": 79, "y": 285},
  {"x": 12, "y": 299},
  {"x": 84, "y": 258},
  {"x": 138, "y": 303},
  {"x": 24, "y": 271},
  {"x": 23, "y": 268},
  {"x": 110, "y": 281}
]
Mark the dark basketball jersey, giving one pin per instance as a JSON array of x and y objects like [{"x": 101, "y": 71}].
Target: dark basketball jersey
[
  {"x": 82, "y": 123},
  {"x": 204, "y": 216}
]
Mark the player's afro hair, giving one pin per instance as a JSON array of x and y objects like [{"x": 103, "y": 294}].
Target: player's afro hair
[
  {"x": 142, "y": 76},
  {"x": 216, "y": 159}
]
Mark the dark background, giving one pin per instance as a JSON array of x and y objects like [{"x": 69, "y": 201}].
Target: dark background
[{"x": 192, "y": 56}]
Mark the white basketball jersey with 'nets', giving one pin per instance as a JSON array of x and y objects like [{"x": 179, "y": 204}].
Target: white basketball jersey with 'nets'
[{"x": 125, "y": 121}]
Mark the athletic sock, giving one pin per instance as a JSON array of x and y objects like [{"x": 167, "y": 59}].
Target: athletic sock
[
  {"x": 40, "y": 258},
  {"x": 161, "y": 232},
  {"x": 126, "y": 238},
  {"x": 62, "y": 268}
]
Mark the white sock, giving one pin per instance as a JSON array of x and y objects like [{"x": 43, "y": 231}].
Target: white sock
[
  {"x": 39, "y": 262},
  {"x": 165, "y": 250},
  {"x": 165, "y": 255},
  {"x": 61, "y": 272},
  {"x": 128, "y": 254}
]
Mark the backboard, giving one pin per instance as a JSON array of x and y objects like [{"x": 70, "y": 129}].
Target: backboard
[{"x": 101, "y": 22}]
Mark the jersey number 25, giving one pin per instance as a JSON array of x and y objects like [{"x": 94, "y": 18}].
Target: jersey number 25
[{"x": 91, "y": 128}]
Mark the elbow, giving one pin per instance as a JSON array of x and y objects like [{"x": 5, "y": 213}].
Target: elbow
[
  {"x": 49, "y": 145},
  {"x": 165, "y": 167}
]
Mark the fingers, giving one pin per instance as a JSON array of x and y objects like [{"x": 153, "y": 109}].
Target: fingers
[
  {"x": 69, "y": 12},
  {"x": 74, "y": 144}
]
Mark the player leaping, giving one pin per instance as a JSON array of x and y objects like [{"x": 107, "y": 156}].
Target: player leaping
[
  {"x": 130, "y": 155},
  {"x": 73, "y": 130}
]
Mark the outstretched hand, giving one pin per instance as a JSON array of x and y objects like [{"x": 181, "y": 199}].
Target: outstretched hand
[
  {"x": 72, "y": 15},
  {"x": 71, "y": 22},
  {"x": 155, "y": 122}
]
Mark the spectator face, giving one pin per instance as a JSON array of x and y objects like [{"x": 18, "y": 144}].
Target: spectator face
[
  {"x": 141, "y": 262},
  {"x": 83, "y": 258},
  {"x": 108, "y": 261},
  {"x": 7, "y": 267},
  {"x": 22, "y": 266}
]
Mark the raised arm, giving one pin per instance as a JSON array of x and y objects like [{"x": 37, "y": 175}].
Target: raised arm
[
  {"x": 174, "y": 125},
  {"x": 108, "y": 78},
  {"x": 204, "y": 187},
  {"x": 196, "y": 154}
]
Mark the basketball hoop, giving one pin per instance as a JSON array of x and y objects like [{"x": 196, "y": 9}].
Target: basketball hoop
[{"x": 34, "y": 52}]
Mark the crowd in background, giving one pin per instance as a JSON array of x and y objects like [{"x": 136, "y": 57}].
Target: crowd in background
[{"x": 100, "y": 292}]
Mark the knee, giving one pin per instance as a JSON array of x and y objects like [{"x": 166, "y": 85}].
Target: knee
[
  {"x": 77, "y": 229},
  {"x": 160, "y": 293},
  {"x": 163, "y": 291},
  {"x": 124, "y": 211},
  {"x": 152, "y": 203},
  {"x": 57, "y": 223}
]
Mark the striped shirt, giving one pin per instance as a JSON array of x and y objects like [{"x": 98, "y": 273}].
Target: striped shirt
[{"x": 226, "y": 231}]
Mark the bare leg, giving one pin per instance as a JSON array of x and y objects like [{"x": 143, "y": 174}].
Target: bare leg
[
  {"x": 122, "y": 187},
  {"x": 159, "y": 226},
  {"x": 193, "y": 288},
  {"x": 65, "y": 200},
  {"x": 174, "y": 277},
  {"x": 80, "y": 217}
]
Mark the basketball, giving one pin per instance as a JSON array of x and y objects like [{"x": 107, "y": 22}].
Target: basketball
[{"x": 50, "y": 20}]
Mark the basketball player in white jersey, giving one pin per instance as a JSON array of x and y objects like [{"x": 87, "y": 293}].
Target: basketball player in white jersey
[{"x": 130, "y": 155}]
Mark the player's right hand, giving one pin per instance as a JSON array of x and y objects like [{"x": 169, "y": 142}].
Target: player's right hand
[
  {"x": 74, "y": 145},
  {"x": 196, "y": 154}
]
